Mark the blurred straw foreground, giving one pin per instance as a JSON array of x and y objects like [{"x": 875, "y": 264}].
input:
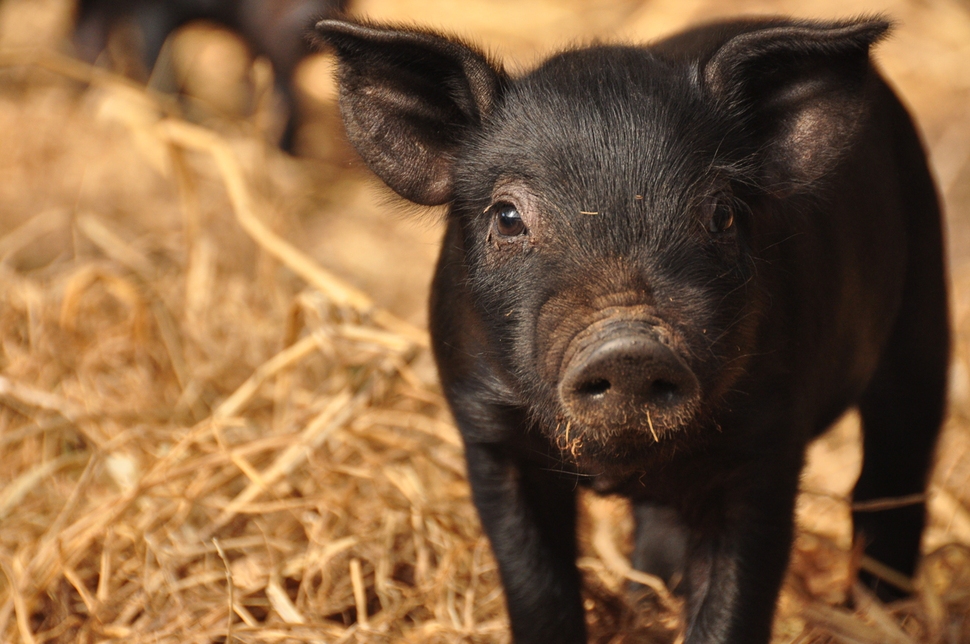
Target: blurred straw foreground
[{"x": 211, "y": 432}]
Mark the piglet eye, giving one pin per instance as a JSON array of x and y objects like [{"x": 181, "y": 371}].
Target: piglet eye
[
  {"x": 722, "y": 217},
  {"x": 508, "y": 221}
]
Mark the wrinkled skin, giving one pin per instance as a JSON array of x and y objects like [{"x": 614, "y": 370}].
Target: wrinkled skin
[
  {"x": 272, "y": 28},
  {"x": 666, "y": 269}
]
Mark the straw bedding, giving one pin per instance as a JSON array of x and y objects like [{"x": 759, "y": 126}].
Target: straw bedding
[{"x": 206, "y": 436}]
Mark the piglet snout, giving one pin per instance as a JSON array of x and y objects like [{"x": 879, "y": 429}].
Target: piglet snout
[{"x": 622, "y": 374}]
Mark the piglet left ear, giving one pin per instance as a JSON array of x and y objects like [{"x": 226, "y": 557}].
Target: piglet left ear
[
  {"x": 409, "y": 98},
  {"x": 801, "y": 89}
]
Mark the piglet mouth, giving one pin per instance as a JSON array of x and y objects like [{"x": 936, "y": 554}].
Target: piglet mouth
[{"x": 621, "y": 374}]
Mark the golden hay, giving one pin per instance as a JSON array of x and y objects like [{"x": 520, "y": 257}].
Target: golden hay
[{"x": 208, "y": 437}]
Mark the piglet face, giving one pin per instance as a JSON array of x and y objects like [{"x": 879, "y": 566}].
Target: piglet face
[{"x": 608, "y": 246}]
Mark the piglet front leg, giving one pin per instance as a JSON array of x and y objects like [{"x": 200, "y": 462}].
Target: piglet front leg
[
  {"x": 529, "y": 515},
  {"x": 734, "y": 573}
]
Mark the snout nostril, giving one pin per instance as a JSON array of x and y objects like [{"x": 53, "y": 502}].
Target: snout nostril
[
  {"x": 622, "y": 371},
  {"x": 664, "y": 390},
  {"x": 594, "y": 388}
]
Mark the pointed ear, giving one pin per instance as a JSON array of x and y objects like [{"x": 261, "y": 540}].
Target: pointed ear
[
  {"x": 408, "y": 99},
  {"x": 801, "y": 88}
]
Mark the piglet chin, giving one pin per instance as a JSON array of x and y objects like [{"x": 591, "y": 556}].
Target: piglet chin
[{"x": 646, "y": 435}]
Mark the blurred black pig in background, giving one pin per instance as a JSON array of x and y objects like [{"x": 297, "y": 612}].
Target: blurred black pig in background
[
  {"x": 666, "y": 270},
  {"x": 273, "y": 28}
]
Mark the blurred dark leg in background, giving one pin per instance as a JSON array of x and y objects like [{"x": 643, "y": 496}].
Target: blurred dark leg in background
[{"x": 275, "y": 29}]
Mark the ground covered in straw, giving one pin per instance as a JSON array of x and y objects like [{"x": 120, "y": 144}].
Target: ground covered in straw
[{"x": 218, "y": 417}]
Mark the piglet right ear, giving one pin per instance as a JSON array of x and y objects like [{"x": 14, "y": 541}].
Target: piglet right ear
[
  {"x": 408, "y": 99},
  {"x": 802, "y": 87}
]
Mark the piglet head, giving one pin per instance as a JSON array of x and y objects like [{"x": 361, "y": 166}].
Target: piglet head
[{"x": 612, "y": 206}]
